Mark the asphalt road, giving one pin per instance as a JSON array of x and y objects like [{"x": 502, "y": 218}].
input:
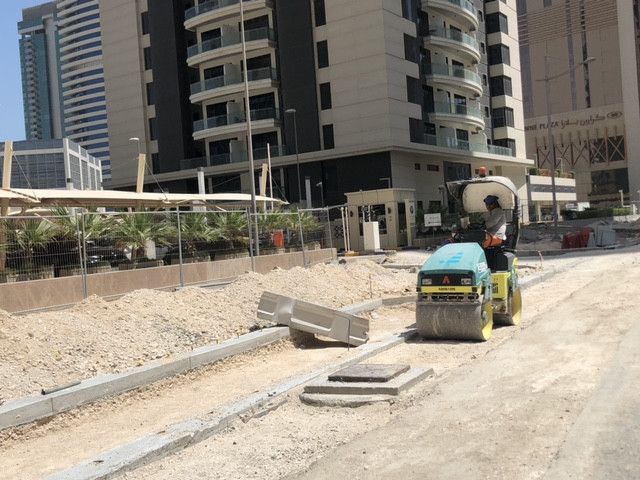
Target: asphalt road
[{"x": 559, "y": 401}]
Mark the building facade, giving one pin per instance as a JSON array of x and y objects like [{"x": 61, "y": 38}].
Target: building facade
[
  {"x": 57, "y": 164},
  {"x": 398, "y": 93},
  {"x": 40, "y": 69},
  {"x": 595, "y": 107},
  {"x": 82, "y": 73}
]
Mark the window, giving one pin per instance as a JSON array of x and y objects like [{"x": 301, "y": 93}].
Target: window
[
  {"x": 497, "y": 22},
  {"x": 151, "y": 98},
  {"x": 147, "y": 58},
  {"x": 410, "y": 48},
  {"x": 325, "y": 96},
  {"x": 415, "y": 130},
  {"x": 155, "y": 162},
  {"x": 408, "y": 10},
  {"x": 502, "y": 117},
  {"x": 320, "y": 14},
  {"x": 417, "y": 166},
  {"x": 433, "y": 168},
  {"x": 152, "y": 129},
  {"x": 547, "y": 3},
  {"x": 499, "y": 54},
  {"x": 414, "y": 90},
  {"x": 508, "y": 143},
  {"x": 486, "y": 112},
  {"x": 323, "y": 54},
  {"x": 480, "y": 16},
  {"x": 484, "y": 80},
  {"x": 144, "y": 18},
  {"x": 327, "y": 137},
  {"x": 501, "y": 86},
  {"x": 483, "y": 48}
]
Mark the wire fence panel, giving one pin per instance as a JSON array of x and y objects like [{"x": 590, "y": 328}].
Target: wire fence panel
[
  {"x": 210, "y": 236},
  {"x": 278, "y": 232},
  {"x": 37, "y": 248},
  {"x": 75, "y": 243},
  {"x": 316, "y": 228}
]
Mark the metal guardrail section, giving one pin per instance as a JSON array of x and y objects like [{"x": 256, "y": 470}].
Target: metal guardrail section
[{"x": 311, "y": 318}]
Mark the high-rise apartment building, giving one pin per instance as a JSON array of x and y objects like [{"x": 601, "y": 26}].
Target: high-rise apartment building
[
  {"x": 82, "y": 76},
  {"x": 39, "y": 60},
  {"x": 147, "y": 83},
  {"x": 594, "y": 105},
  {"x": 397, "y": 93}
]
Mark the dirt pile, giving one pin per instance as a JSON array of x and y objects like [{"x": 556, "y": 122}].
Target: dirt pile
[{"x": 95, "y": 336}]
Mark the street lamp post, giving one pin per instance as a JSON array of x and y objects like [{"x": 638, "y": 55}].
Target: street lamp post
[
  {"x": 247, "y": 107},
  {"x": 320, "y": 185},
  {"x": 293, "y": 111},
  {"x": 547, "y": 81}
]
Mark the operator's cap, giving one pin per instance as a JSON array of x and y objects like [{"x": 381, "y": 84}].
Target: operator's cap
[{"x": 491, "y": 199}]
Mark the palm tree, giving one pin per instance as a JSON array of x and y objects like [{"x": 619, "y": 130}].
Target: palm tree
[
  {"x": 32, "y": 235},
  {"x": 196, "y": 227},
  {"x": 92, "y": 224},
  {"x": 136, "y": 230},
  {"x": 231, "y": 227}
]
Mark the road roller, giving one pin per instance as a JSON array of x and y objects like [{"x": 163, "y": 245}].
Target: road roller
[{"x": 463, "y": 288}]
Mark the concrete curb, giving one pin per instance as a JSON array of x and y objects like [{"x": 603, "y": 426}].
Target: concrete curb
[
  {"x": 34, "y": 408},
  {"x": 26, "y": 410},
  {"x": 177, "y": 437}
]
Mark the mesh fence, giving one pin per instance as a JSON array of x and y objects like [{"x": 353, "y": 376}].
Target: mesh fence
[
  {"x": 85, "y": 243},
  {"x": 316, "y": 229},
  {"x": 37, "y": 248}
]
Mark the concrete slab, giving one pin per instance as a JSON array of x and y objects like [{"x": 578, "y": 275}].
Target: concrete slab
[
  {"x": 392, "y": 387},
  {"x": 377, "y": 373},
  {"x": 344, "y": 401},
  {"x": 312, "y": 318}
]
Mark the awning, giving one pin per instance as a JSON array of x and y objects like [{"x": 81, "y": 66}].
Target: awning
[{"x": 120, "y": 199}]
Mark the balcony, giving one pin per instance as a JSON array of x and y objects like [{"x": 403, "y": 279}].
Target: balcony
[
  {"x": 230, "y": 158},
  {"x": 453, "y": 40},
  {"x": 456, "y": 114},
  {"x": 458, "y": 8},
  {"x": 231, "y": 44},
  {"x": 234, "y": 122},
  {"x": 229, "y": 84},
  {"x": 453, "y": 75},
  {"x": 455, "y": 144},
  {"x": 215, "y": 10}
]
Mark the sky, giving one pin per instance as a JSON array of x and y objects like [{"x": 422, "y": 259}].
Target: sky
[{"x": 11, "y": 113}]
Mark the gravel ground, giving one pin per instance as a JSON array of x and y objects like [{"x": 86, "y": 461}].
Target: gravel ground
[
  {"x": 525, "y": 417},
  {"x": 97, "y": 337}
]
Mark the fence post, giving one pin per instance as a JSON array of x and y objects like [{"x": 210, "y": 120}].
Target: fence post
[
  {"x": 330, "y": 230},
  {"x": 250, "y": 229},
  {"x": 82, "y": 252},
  {"x": 180, "y": 249},
  {"x": 304, "y": 255}
]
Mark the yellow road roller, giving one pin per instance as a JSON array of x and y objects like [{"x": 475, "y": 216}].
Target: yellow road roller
[{"x": 472, "y": 282}]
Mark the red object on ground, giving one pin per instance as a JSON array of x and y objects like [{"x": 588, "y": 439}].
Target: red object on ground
[
  {"x": 570, "y": 240},
  {"x": 278, "y": 239}
]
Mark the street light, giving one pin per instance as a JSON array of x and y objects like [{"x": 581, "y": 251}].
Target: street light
[
  {"x": 247, "y": 107},
  {"x": 295, "y": 134},
  {"x": 136, "y": 139},
  {"x": 547, "y": 81},
  {"x": 320, "y": 185}
]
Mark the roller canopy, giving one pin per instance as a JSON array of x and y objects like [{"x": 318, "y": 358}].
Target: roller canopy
[{"x": 471, "y": 193}]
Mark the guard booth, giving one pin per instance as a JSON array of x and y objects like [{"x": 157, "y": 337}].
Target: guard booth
[{"x": 392, "y": 208}]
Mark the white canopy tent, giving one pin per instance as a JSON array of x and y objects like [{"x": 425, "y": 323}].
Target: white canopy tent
[{"x": 26, "y": 198}]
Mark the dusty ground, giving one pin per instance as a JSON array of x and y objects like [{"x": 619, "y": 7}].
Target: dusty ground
[
  {"x": 95, "y": 337},
  {"x": 33, "y": 451},
  {"x": 499, "y": 409}
]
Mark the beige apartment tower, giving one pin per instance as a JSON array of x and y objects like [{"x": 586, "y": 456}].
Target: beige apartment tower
[{"x": 595, "y": 107}]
